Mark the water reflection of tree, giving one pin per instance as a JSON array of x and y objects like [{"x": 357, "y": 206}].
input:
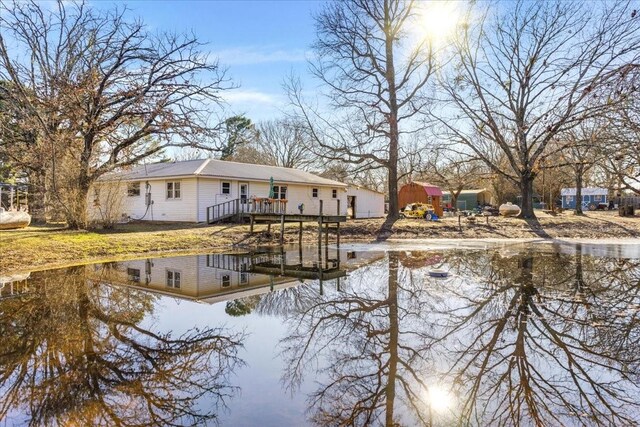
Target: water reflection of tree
[
  {"x": 76, "y": 352},
  {"x": 546, "y": 339},
  {"x": 367, "y": 342}
]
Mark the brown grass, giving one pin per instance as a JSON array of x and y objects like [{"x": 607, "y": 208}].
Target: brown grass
[{"x": 53, "y": 246}]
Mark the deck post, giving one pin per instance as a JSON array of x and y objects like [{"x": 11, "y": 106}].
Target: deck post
[
  {"x": 300, "y": 254},
  {"x": 300, "y": 235},
  {"x": 338, "y": 226},
  {"x": 320, "y": 227},
  {"x": 326, "y": 248},
  {"x": 281, "y": 229},
  {"x": 326, "y": 234},
  {"x": 269, "y": 228},
  {"x": 238, "y": 216},
  {"x": 282, "y": 258},
  {"x": 251, "y": 224}
]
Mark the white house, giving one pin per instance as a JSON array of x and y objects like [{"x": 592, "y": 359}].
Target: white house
[
  {"x": 221, "y": 277},
  {"x": 183, "y": 191}
]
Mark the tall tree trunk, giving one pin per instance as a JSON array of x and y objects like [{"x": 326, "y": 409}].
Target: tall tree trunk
[
  {"x": 526, "y": 191},
  {"x": 579, "y": 191},
  {"x": 38, "y": 197},
  {"x": 390, "y": 391},
  {"x": 394, "y": 208},
  {"x": 76, "y": 212}
]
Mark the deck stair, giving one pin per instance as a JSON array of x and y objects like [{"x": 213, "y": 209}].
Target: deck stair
[{"x": 225, "y": 210}]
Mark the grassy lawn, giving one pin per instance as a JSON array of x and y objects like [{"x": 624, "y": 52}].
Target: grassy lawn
[
  {"x": 41, "y": 247},
  {"x": 54, "y": 246}
]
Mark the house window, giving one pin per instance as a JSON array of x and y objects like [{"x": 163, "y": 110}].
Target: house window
[
  {"x": 570, "y": 198},
  {"x": 597, "y": 198},
  {"x": 173, "y": 190},
  {"x": 279, "y": 191},
  {"x": 96, "y": 196},
  {"x": 226, "y": 188},
  {"x": 314, "y": 193},
  {"x": 244, "y": 278},
  {"x": 173, "y": 279},
  {"x": 226, "y": 281},
  {"x": 334, "y": 193},
  {"x": 133, "y": 274},
  {"x": 133, "y": 189}
]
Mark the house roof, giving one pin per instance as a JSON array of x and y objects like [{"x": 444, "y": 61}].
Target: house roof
[
  {"x": 586, "y": 191},
  {"x": 430, "y": 189},
  {"x": 222, "y": 169},
  {"x": 482, "y": 190}
]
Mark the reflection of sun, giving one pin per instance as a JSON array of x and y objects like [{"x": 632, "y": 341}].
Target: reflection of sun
[
  {"x": 438, "y": 19},
  {"x": 439, "y": 399}
]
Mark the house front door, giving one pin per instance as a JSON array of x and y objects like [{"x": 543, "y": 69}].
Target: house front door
[{"x": 243, "y": 191}]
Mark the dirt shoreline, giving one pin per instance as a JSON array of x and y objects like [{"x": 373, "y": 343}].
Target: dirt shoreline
[{"x": 39, "y": 248}]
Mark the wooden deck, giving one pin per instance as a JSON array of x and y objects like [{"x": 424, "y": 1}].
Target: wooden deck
[{"x": 276, "y": 217}]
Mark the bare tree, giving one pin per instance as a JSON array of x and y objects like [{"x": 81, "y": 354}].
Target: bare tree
[
  {"x": 453, "y": 172},
  {"x": 375, "y": 80},
  {"x": 104, "y": 92},
  {"x": 77, "y": 351},
  {"x": 579, "y": 150},
  {"x": 285, "y": 143},
  {"x": 528, "y": 71},
  {"x": 621, "y": 150}
]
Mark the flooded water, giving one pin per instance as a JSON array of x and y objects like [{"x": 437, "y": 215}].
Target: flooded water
[{"x": 516, "y": 334}]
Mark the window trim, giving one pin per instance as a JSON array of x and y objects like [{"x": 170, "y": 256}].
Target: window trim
[
  {"x": 173, "y": 278},
  {"x": 228, "y": 280},
  {"x": 131, "y": 184},
  {"x": 132, "y": 276},
  {"x": 278, "y": 194},
  {"x": 316, "y": 191},
  {"x": 334, "y": 193},
  {"x": 222, "y": 183},
  {"x": 173, "y": 190}
]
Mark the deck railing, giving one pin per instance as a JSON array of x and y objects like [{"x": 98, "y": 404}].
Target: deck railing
[{"x": 237, "y": 207}]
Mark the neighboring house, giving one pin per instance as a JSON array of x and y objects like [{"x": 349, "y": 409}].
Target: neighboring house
[
  {"x": 364, "y": 203},
  {"x": 182, "y": 191},
  {"x": 591, "y": 197},
  {"x": 421, "y": 192},
  {"x": 467, "y": 199}
]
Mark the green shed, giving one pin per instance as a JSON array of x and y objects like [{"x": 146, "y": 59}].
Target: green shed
[{"x": 468, "y": 199}]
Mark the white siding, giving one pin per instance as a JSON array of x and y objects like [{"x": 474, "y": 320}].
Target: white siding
[
  {"x": 200, "y": 280},
  {"x": 210, "y": 193},
  {"x": 368, "y": 203},
  {"x": 183, "y": 209},
  {"x": 199, "y": 193}
]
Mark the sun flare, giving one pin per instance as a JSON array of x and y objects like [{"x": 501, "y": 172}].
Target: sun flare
[
  {"x": 440, "y": 400},
  {"x": 438, "y": 20}
]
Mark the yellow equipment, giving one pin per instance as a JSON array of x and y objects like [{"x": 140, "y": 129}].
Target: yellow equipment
[{"x": 417, "y": 210}]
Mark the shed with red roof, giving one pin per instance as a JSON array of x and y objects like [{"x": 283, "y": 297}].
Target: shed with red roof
[{"x": 421, "y": 192}]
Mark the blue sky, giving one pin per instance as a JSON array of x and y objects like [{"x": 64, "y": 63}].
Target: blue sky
[{"x": 260, "y": 42}]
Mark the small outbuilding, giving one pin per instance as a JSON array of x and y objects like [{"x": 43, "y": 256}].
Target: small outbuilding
[
  {"x": 421, "y": 192},
  {"x": 364, "y": 203},
  {"x": 467, "y": 199},
  {"x": 591, "y": 197}
]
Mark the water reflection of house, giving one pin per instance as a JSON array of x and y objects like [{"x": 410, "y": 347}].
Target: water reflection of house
[
  {"x": 217, "y": 277},
  {"x": 14, "y": 285}
]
